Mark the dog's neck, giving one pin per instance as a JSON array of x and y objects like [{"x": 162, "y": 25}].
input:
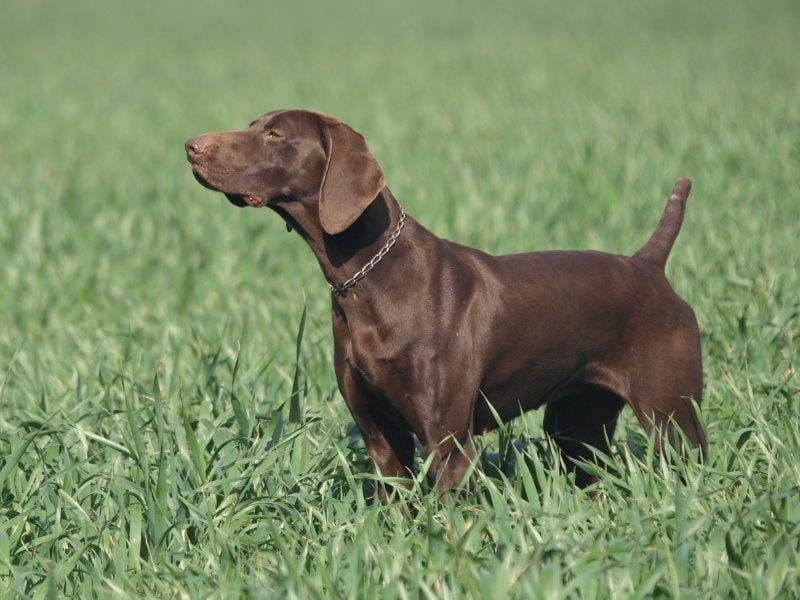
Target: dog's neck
[{"x": 341, "y": 256}]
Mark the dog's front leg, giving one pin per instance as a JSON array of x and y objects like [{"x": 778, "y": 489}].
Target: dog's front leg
[
  {"x": 388, "y": 438},
  {"x": 452, "y": 458},
  {"x": 445, "y": 433},
  {"x": 389, "y": 443}
]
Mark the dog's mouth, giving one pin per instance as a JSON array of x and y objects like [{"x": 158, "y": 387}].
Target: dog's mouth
[
  {"x": 240, "y": 200},
  {"x": 236, "y": 199},
  {"x": 245, "y": 200}
]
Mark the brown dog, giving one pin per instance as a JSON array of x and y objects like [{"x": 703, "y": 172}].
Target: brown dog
[{"x": 429, "y": 333}]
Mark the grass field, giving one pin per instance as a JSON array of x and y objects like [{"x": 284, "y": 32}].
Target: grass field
[{"x": 150, "y": 353}]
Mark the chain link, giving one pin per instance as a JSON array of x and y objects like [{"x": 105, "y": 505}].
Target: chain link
[{"x": 341, "y": 289}]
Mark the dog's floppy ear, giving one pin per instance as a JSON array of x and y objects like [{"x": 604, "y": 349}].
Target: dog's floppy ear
[{"x": 352, "y": 177}]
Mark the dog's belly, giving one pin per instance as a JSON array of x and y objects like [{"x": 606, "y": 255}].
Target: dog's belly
[{"x": 528, "y": 386}]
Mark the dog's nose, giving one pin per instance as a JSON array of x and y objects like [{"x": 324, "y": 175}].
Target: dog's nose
[{"x": 196, "y": 146}]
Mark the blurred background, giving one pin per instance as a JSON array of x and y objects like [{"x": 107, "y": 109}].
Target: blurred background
[{"x": 509, "y": 126}]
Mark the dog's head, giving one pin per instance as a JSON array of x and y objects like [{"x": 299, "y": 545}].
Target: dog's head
[{"x": 291, "y": 156}]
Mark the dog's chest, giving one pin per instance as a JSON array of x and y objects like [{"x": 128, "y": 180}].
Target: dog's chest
[{"x": 379, "y": 355}]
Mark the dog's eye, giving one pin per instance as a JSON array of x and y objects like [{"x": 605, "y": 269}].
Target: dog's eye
[{"x": 273, "y": 135}]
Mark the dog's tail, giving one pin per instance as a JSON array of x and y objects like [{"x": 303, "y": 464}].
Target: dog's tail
[{"x": 657, "y": 248}]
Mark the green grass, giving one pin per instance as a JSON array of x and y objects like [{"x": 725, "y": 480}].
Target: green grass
[{"x": 148, "y": 330}]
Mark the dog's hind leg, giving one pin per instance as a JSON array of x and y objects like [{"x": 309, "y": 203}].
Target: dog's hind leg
[
  {"x": 660, "y": 382},
  {"x": 662, "y": 406},
  {"x": 581, "y": 421}
]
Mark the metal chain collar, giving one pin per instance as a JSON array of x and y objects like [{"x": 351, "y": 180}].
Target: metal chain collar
[{"x": 341, "y": 289}]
